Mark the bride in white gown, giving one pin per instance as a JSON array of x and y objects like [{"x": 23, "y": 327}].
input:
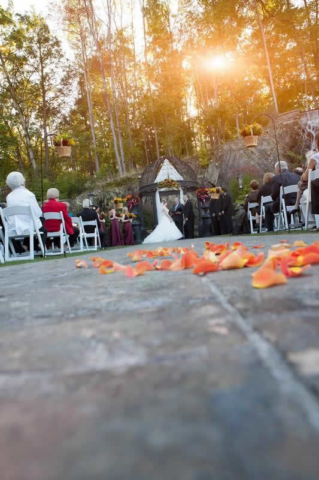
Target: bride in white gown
[{"x": 166, "y": 230}]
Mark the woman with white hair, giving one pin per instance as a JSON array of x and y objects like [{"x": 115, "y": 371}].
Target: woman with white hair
[
  {"x": 21, "y": 196},
  {"x": 53, "y": 205}
]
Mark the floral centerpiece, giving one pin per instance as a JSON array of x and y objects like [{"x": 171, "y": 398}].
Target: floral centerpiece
[
  {"x": 169, "y": 184},
  {"x": 250, "y": 134},
  {"x": 132, "y": 200},
  {"x": 202, "y": 194},
  {"x": 63, "y": 144}
]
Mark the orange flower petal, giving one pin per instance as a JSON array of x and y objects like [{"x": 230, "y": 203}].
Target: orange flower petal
[
  {"x": 259, "y": 246},
  {"x": 189, "y": 259},
  {"x": 267, "y": 277},
  {"x": 205, "y": 266},
  {"x": 236, "y": 245},
  {"x": 143, "y": 267},
  {"x": 105, "y": 270},
  {"x": 107, "y": 264},
  {"x": 81, "y": 264},
  {"x": 291, "y": 271},
  {"x": 177, "y": 265},
  {"x": 232, "y": 261},
  {"x": 118, "y": 267},
  {"x": 308, "y": 259},
  {"x": 255, "y": 261},
  {"x": 299, "y": 243},
  {"x": 166, "y": 264},
  {"x": 131, "y": 272}
]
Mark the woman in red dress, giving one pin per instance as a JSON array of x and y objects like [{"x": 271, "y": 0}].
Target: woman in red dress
[
  {"x": 116, "y": 238},
  {"x": 127, "y": 228}
]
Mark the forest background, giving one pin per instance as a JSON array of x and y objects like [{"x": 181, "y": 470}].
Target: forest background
[{"x": 143, "y": 78}]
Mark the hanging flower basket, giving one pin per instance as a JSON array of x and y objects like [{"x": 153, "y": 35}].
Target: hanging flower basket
[
  {"x": 64, "y": 151},
  {"x": 62, "y": 144},
  {"x": 250, "y": 134},
  {"x": 251, "y": 141}
]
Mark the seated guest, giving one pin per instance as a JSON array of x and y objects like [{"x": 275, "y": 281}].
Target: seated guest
[
  {"x": 128, "y": 236},
  {"x": 20, "y": 196},
  {"x": 267, "y": 186},
  {"x": 53, "y": 205},
  {"x": 116, "y": 238},
  {"x": 285, "y": 179},
  {"x": 252, "y": 196},
  {"x": 88, "y": 215},
  {"x": 68, "y": 209},
  {"x": 313, "y": 164}
]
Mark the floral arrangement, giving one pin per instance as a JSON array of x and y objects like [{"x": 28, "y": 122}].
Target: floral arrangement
[
  {"x": 202, "y": 194},
  {"x": 169, "y": 183},
  {"x": 216, "y": 190},
  {"x": 132, "y": 200},
  {"x": 119, "y": 215},
  {"x": 131, "y": 215},
  {"x": 254, "y": 129},
  {"x": 63, "y": 140},
  {"x": 118, "y": 200}
]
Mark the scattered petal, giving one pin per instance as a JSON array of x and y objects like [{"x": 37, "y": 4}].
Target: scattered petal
[
  {"x": 143, "y": 267},
  {"x": 299, "y": 243},
  {"x": 262, "y": 245},
  {"x": 205, "y": 266},
  {"x": 81, "y": 263},
  {"x": 105, "y": 270},
  {"x": 233, "y": 261},
  {"x": 267, "y": 277}
]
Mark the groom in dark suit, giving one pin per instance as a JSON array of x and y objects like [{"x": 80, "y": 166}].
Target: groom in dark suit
[{"x": 177, "y": 215}]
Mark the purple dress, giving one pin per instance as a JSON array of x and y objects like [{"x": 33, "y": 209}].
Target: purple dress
[
  {"x": 116, "y": 238},
  {"x": 128, "y": 233}
]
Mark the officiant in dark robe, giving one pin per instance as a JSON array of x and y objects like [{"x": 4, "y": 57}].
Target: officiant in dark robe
[
  {"x": 188, "y": 218},
  {"x": 177, "y": 215}
]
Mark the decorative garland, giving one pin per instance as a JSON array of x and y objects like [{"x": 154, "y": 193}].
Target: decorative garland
[{"x": 169, "y": 183}]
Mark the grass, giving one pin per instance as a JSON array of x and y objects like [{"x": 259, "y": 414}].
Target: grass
[{"x": 55, "y": 257}]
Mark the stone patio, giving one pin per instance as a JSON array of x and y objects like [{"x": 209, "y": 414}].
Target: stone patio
[{"x": 165, "y": 376}]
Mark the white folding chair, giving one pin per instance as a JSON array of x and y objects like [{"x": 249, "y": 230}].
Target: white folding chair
[
  {"x": 1, "y": 246},
  {"x": 252, "y": 217},
  {"x": 10, "y": 234},
  {"x": 288, "y": 208},
  {"x": 263, "y": 202},
  {"x": 94, "y": 235},
  {"x": 61, "y": 234},
  {"x": 313, "y": 175},
  {"x": 80, "y": 240}
]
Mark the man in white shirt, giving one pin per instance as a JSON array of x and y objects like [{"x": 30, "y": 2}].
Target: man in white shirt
[{"x": 21, "y": 196}]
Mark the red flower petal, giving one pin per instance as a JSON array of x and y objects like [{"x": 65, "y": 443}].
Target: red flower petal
[
  {"x": 205, "y": 266},
  {"x": 267, "y": 277}
]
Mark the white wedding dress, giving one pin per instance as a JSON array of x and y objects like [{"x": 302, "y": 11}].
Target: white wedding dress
[{"x": 166, "y": 230}]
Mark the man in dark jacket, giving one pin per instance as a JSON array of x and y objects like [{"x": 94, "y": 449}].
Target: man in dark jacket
[
  {"x": 189, "y": 217},
  {"x": 284, "y": 179},
  {"x": 89, "y": 215}
]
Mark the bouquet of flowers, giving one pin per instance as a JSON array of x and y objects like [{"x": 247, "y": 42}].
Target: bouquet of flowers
[
  {"x": 169, "y": 183},
  {"x": 216, "y": 190},
  {"x": 202, "y": 194},
  {"x": 119, "y": 215},
  {"x": 131, "y": 215},
  {"x": 118, "y": 200},
  {"x": 132, "y": 200}
]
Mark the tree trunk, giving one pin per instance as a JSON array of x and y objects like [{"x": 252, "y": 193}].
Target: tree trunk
[
  {"x": 19, "y": 110},
  {"x": 149, "y": 85},
  {"x": 44, "y": 111},
  {"x": 89, "y": 100},
  {"x": 92, "y": 24}
]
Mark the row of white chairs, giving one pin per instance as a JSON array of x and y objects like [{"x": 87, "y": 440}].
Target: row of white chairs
[
  {"x": 281, "y": 219},
  {"x": 8, "y": 252}
]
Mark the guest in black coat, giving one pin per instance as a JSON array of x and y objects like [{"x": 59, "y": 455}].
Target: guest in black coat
[
  {"x": 88, "y": 215},
  {"x": 214, "y": 210},
  {"x": 284, "y": 179},
  {"x": 226, "y": 213},
  {"x": 188, "y": 217}
]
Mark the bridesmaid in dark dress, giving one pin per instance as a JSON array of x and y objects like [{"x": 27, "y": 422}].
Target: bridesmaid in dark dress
[
  {"x": 116, "y": 238},
  {"x": 127, "y": 228}
]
